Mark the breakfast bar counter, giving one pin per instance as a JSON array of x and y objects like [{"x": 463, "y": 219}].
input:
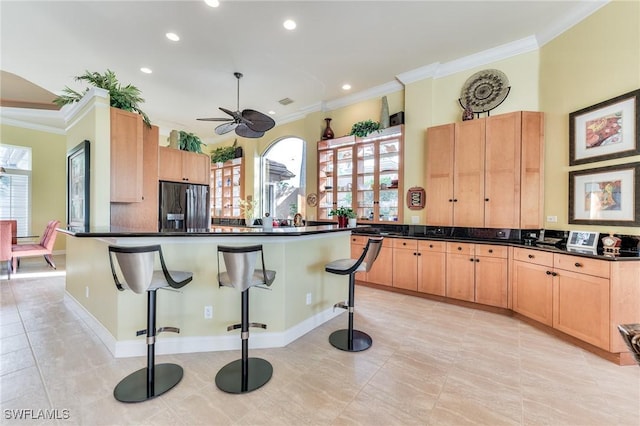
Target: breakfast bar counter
[{"x": 300, "y": 299}]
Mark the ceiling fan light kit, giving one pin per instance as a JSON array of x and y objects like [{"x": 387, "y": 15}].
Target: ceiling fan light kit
[{"x": 248, "y": 124}]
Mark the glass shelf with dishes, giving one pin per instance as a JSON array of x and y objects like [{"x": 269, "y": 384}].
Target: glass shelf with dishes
[
  {"x": 227, "y": 189},
  {"x": 363, "y": 174}
]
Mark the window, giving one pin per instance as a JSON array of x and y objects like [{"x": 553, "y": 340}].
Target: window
[
  {"x": 283, "y": 169},
  {"x": 15, "y": 186}
]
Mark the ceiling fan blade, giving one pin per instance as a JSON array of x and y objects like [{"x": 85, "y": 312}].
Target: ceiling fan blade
[
  {"x": 258, "y": 121},
  {"x": 244, "y": 131},
  {"x": 225, "y": 128},
  {"x": 215, "y": 119}
]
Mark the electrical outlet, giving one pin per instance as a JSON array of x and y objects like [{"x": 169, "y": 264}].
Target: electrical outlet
[
  {"x": 308, "y": 298},
  {"x": 86, "y": 292},
  {"x": 552, "y": 219},
  {"x": 208, "y": 312}
]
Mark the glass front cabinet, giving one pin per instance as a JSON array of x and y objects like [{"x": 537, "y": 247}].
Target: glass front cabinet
[
  {"x": 227, "y": 189},
  {"x": 364, "y": 174}
]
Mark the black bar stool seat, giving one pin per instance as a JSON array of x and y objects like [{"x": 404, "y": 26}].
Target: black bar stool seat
[
  {"x": 631, "y": 335},
  {"x": 349, "y": 339},
  {"x": 245, "y": 374},
  {"x": 136, "y": 266}
]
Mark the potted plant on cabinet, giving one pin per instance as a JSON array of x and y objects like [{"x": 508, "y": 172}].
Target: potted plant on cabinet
[
  {"x": 190, "y": 142},
  {"x": 122, "y": 97},
  {"x": 224, "y": 153},
  {"x": 344, "y": 214},
  {"x": 364, "y": 128}
]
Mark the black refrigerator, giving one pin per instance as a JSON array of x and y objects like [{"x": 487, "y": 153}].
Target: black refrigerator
[{"x": 184, "y": 207}]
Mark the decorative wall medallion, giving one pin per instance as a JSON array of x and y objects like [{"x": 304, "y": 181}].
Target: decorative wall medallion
[
  {"x": 416, "y": 198},
  {"x": 312, "y": 199},
  {"x": 484, "y": 90}
]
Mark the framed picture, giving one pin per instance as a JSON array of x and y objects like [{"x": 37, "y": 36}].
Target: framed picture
[
  {"x": 78, "y": 173},
  {"x": 605, "y": 196},
  {"x": 606, "y": 130},
  {"x": 583, "y": 240}
]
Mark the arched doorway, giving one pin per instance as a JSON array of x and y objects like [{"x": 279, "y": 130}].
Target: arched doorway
[{"x": 282, "y": 177}]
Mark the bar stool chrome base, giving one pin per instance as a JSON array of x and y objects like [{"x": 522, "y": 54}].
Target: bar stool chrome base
[
  {"x": 232, "y": 379},
  {"x": 134, "y": 387},
  {"x": 340, "y": 339}
]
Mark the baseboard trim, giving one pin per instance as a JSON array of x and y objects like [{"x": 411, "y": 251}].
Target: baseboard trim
[{"x": 191, "y": 344}]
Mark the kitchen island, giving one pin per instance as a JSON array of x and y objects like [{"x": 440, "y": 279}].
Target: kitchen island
[{"x": 300, "y": 299}]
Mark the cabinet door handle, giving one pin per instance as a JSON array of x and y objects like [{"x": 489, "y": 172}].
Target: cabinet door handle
[
  {"x": 477, "y": 260},
  {"x": 555, "y": 274},
  {"x": 451, "y": 200},
  {"x": 490, "y": 250},
  {"x": 578, "y": 265},
  {"x": 459, "y": 248},
  {"x": 430, "y": 245},
  {"x": 404, "y": 244},
  {"x": 548, "y": 272},
  {"x": 486, "y": 199},
  {"x": 530, "y": 256},
  {"x": 471, "y": 260},
  {"x": 419, "y": 254},
  {"x": 455, "y": 200}
]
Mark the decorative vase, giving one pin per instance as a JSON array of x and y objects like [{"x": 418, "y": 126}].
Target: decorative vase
[
  {"x": 328, "y": 133},
  {"x": 174, "y": 139},
  {"x": 237, "y": 153},
  {"x": 384, "y": 113},
  {"x": 467, "y": 114},
  {"x": 342, "y": 221}
]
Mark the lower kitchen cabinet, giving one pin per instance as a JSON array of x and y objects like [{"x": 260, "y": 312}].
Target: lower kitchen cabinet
[
  {"x": 405, "y": 264},
  {"x": 568, "y": 293},
  {"x": 477, "y": 273},
  {"x": 381, "y": 271},
  {"x": 432, "y": 267}
]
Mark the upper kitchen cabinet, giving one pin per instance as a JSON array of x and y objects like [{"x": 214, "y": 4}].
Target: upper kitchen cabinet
[
  {"x": 183, "y": 166},
  {"x": 126, "y": 156},
  {"x": 364, "y": 174},
  {"x": 486, "y": 172}
]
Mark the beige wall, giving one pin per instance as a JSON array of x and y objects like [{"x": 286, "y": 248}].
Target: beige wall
[
  {"x": 596, "y": 60},
  {"x": 48, "y": 177}
]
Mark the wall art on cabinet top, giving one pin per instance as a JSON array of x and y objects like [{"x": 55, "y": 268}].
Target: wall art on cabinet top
[{"x": 606, "y": 130}]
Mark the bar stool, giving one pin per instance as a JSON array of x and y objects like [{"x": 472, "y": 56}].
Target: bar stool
[
  {"x": 136, "y": 266},
  {"x": 349, "y": 339},
  {"x": 245, "y": 374}
]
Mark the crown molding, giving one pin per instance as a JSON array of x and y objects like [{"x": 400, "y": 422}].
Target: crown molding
[
  {"x": 586, "y": 9},
  {"x": 33, "y": 126},
  {"x": 70, "y": 111}
]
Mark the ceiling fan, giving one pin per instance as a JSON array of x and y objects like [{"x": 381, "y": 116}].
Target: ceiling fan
[{"x": 248, "y": 123}]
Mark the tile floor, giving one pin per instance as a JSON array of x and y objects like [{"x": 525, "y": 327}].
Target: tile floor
[{"x": 431, "y": 364}]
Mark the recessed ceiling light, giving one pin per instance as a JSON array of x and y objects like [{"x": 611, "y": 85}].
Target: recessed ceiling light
[
  {"x": 212, "y": 3},
  {"x": 146, "y": 70},
  {"x": 172, "y": 36},
  {"x": 289, "y": 24},
  {"x": 272, "y": 113},
  {"x": 346, "y": 86}
]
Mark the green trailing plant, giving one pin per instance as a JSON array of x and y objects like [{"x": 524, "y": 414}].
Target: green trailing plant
[
  {"x": 122, "y": 97},
  {"x": 343, "y": 211},
  {"x": 224, "y": 153},
  {"x": 364, "y": 128},
  {"x": 190, "y": 142}
]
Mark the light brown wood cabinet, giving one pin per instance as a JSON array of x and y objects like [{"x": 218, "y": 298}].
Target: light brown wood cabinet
[
  {"x": 126, "y": 156},
  {"x": 432, "y": 261},
  {"x": 419, "y": 265},
  {"x": 176, "y": 165},
  {"x": 381, "y": 271},
  {"x": 142, "y": 215},
  {"x": 582, "y": 297},
  {"x": 486, "y": 172},
  {"x": 477, "y": 273}
]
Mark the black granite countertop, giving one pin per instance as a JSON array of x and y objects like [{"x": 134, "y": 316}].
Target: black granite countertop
[
  {"x": 214, "y": 230},
  {"x": 509, "y": 237}
]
